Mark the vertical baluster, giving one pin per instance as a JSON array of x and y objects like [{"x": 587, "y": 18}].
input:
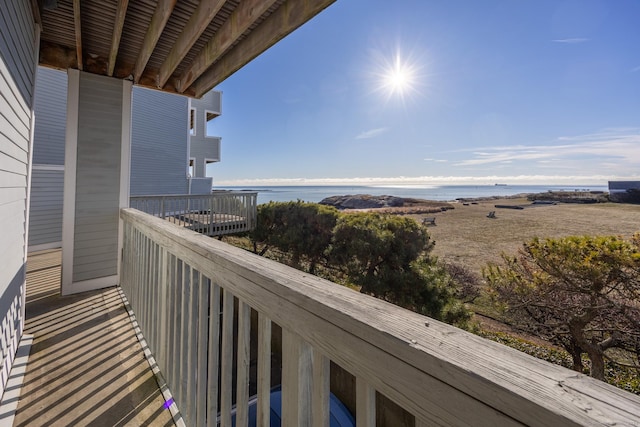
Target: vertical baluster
[
  {"x": 177, "y": 324},
  {"x": 192, "y": 347},
  {"x": 202, "y": 344},
  {"x": 172, "y": 322},
  {"x": 296, "y": 380},
  {"x": 321, "y": 386},
  {"x": 162, "y": 308},
  {"x": 227, "y": 359},
  {"x": 365, "y": 404},
  {"x": 244, "y": 346},
  {"x": 264, "y": 371},
  {"x": 184, "y": 336},
  {"x": 213, "y": 354}
]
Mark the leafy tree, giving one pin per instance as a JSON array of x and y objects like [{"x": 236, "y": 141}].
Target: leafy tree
[
  {"x": 388, "y": 257},
  {"x": 582, "y": 293},
  {"x": 304, "y": 230}
]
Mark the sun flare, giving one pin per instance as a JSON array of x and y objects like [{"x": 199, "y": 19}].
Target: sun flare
[
  {"x": 396, "y": 75},
  {"x": 399, "y": 78}
]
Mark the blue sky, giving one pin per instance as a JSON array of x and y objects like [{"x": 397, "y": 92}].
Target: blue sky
[{"x": 540, "y": 92}]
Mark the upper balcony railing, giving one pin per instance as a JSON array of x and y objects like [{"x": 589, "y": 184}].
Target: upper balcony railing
[
  {"x": 215, "y": 214},
  {"x": 208, "y": 309}
]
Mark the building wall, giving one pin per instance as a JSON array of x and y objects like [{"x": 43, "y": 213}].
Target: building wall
[
  {"x": 97, "y": 187},
  {"x": 624, "y": 191},
  {"x": 18, "y": 41},
  {"x": 202, "y": 147},
  {"x": 47, "y": 182},
  {"x": 159, "y": 143},
  {"x": 45, "y": 213}
]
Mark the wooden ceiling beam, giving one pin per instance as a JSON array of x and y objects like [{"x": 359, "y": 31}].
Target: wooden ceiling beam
[
  {"x": 199, "y": 21},
  {"x": 279, "y": 24},
  {"x": 121, "y": 13},
  {"x": 156, "y": 26},
  {"x": 240, "y": 20},
  {"x": 78, "y": 29}
]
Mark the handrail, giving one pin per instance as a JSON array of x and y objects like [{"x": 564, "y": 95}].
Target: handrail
[
  {"x": 175, "y": 278},
  {"x": 215, "y": 214}
]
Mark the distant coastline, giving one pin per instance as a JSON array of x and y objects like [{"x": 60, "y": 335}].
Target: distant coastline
[{"x": 438, "y": 193}]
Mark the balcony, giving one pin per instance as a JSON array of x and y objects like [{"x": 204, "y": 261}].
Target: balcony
[
  {"x": 208, "y": 311},
  {"x": 216, "y": 214},
  {"x": 217, "y": 324}
]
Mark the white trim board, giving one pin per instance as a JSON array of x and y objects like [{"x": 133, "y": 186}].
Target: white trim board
[{"x": 70, "y": 161}]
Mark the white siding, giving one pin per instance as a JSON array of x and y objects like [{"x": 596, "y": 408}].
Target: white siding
[
  {"x": 95, "y": 248},
  {"x": 45, "y": 215},
  {"x": 51, "y": 117},
  {"x": 202, "y": 147},
  {"x": 17, "y": 70},
  {"x": 158, "y": 143}
]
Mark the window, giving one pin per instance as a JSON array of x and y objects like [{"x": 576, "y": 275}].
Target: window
[{"x": 192, "y": 121}]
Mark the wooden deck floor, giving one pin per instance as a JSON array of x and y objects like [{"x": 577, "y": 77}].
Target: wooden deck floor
[{"x": 86, "y": 366}]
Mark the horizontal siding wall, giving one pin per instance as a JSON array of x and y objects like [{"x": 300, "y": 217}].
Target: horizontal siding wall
[
  {"x": 95, "y": 248},
  {"x": 45, "y": 214},
  {"x": 201, "y": 185},
  {"x": 51, "y": 117},
  {"x": 17, "y": 72},
  {"x": 158, "y": 143}
]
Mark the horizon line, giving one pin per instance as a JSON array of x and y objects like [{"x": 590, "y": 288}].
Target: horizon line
[{"x": 555, "y": 180}]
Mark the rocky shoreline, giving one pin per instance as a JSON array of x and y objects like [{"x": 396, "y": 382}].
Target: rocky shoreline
[{"x": 393, "y": 204}]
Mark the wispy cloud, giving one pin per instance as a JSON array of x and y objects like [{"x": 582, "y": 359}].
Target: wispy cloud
[
  {"x": 615, "y": 146},
  {"x": 573, "y": 40},
  {"x": 636, "y": 69},
  {"x": 372, "y": 133},
  {"x": 436, "y": 160}
]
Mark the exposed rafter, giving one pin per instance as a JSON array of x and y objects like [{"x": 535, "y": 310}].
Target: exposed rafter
[
  {"x": 156, "y": 26},
  {"x": 199, "y": 21},
  {"x": 117, "y": 33},
  {"x": 77, "y": 18},
  {"x": 284, "y": 20},
  {"x": 246, "y": 14},
  {"x": 153, "y": 42}
]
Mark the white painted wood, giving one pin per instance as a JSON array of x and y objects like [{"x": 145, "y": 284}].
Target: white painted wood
[
  {"x": 192, "y": 346},
  {"x": 263, "y": 409},
  {"x": 214, "y": 351},
  {"x": 243, "y": 358},
  {"x": 202, "y": 346},
  {"x": 226, "y": 370},
  {"x": 365, "y": 404},
  {"x": 125, "y": 158},
  {"x": 70, "y": 161},
  {"x": 443, "y": 375},
  {"x": 296, "y": 380},
  {"x": 321, "y": 389}
]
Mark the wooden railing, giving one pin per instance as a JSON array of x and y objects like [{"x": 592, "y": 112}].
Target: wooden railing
[
  {"x": 184, "y": 289},
  {"x": 215, "y": 214}
]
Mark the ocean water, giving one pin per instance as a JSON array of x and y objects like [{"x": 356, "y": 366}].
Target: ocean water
[{"x": 442, "y": 192}]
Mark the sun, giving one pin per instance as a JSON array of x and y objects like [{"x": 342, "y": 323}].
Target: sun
[
  {"x": 399, "y": 78},
  {"x": 396, "y": 75}
]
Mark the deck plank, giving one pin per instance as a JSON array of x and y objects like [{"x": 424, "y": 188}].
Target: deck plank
[{"x": 86, "y": 365}]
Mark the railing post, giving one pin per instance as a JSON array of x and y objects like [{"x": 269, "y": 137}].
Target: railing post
[{"x": 162, "y": 214}]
